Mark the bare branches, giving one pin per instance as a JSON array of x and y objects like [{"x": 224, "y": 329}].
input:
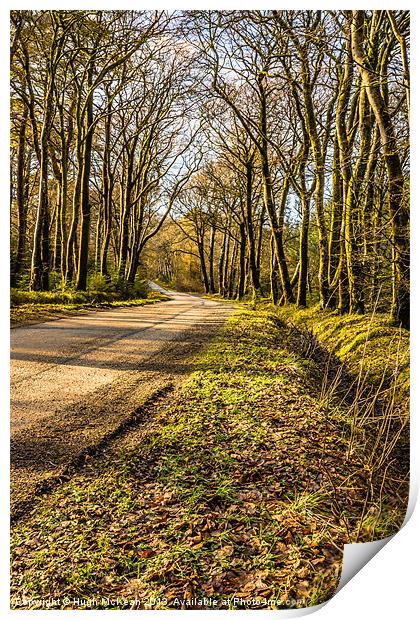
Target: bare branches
[{"x": 277, "y": 140}]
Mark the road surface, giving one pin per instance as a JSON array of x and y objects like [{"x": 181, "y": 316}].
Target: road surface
[{"x": 75, "y": 381}]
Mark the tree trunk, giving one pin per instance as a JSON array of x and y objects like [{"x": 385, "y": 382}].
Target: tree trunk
[
  {"x": 334, "y": 246},
  {"x": 260, "y": 240},
  {"x": 303, "y": 252},
  {"x": 40, "y": 252},
  {"x": 21, "y": 202},
  {"x": 319, "y": 163},
  {"x": 226, "y": 266},
  {"x": 222, "y": 264},
  {"x": 40, "y": 255},
  {"x": 353, "y": 219},
  {"x": 274, "y": 274},
  {"x": 242, "y": 256},
  {"x": 212, "y": 286},
  {"x": 125, "y": 212},
  {"x": 107, "y": 187},
  {"x": 71, "y": 253},
  {"x": 276, "y": 223},
  {"x": 200, "y": 245},
  {"x": 400, "y": 310},
  {"x": 232, "y": 270},
  {"x": 253, "y": 267},
  {"x": 85, "y": 206},
  {"x": 58, "y": 242}
]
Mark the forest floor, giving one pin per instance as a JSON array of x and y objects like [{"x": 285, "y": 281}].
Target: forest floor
[{"x": 238, "y": 489}]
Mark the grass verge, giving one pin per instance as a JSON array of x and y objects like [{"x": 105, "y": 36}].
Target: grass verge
[
  {"x": 26, "y": 313},
  {"x": 366, "y": 344},
  {"x": 239, "y": 493}
]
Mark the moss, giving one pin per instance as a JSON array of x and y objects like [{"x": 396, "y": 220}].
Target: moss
[{"x": 364, "y": 343}]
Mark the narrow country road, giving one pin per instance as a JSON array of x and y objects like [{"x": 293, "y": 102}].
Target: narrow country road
[{"x": 77, "y": 380}]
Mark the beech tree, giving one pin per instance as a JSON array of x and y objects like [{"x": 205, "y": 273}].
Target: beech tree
[{"x": 266, "y": 153}]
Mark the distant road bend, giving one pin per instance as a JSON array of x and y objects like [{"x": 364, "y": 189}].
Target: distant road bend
[{"x": 77, "y": 380}]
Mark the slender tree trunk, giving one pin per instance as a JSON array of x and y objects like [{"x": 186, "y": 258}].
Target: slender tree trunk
[
  {"x": 242, "y": 257},
  {"x": 275, "y": 222},
  {"x": 107, "y": 186},
  {"x": 126, "y": 212},
  {"x": 253, "y": 267},
  {"x": 65, "y": 144},
  {"x": 58, "y": 242},
  {"x": 303, "y": 252},
  {"x": 369, "y": 224},
  {"x": 40, "y": 268},
  {"x": 201, "y": 253},
  {"x": 122, "y": 261},
  {"x": 222, "y": 264},
  {"x": 21, "y": 202},
  {"x": 137, "y": 244},
  {"x": 319, "y": 170},
  {"x": 260, "y": 240},
  {"x": 212, "y": 286},
  {"x": 274, "y": 273},
  {"x": 353, "y": 220},
  {"x": 98, "y": 235},
  {"x": 376, "y": 244},
  {"x": 334, "y": 245},
  {"x": 85, "y": 206},
  {"x": 40, "y": 254},
  {"x": 232, "y": 270},
  {"x": 85, "y": 210},
  {"x": 71, "y": 253},
  {"x": 226, "y": 267}
]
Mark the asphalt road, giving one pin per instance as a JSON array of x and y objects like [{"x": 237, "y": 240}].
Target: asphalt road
[{"x": 75, "y": 381}]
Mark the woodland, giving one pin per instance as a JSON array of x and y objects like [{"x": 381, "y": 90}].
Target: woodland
[
  {"x": 243, "y": 178},
  {"x": 244, "y": 153}
]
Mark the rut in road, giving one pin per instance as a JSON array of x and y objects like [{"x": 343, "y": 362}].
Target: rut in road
[{"x": 75, "y": 382}]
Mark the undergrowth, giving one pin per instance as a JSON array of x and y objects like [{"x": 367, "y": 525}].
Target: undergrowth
[
  {"x": 29, "y": 306},
  {"x": 99, "y": 290}
]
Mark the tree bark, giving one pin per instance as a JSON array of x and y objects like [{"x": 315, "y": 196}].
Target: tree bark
[
  {"x": 274, "y": 274},
  {"x": 221, "y": 269},
  {"x": 107, "y": 187},
  {"x": 242, "y": 257},
  {"x": 21, "y": 201},
  {"x": 212, "y": 286},
  {"x": 202, "y": 255},
  {"x": 275, "y": 222},
  {"x": 253, "y": 267},
  {"x": 400, "y": 311},
  {"x": 303, "y": 253},
  {"x": 85, "y": 206}
]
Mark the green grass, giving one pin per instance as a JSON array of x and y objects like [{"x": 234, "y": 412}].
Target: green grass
[
  {"x": 27, "y": 306},
  {"x": 20, "y": 297},
  {"x": 366, "y": 344},
  {"x": 239, "y": 488}
]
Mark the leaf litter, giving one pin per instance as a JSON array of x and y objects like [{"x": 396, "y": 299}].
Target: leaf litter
[{"x": 237, "y": 493}]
